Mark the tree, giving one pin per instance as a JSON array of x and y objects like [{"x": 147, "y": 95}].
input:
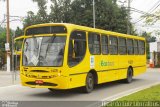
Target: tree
[
  {"x": 60, "y": 11},
  {"x": 2, "y": 46},
  {"x": 40, "y": 17},
  {"x": 109, "y": 15},
  {"x": 149, "y": 39},
  {"x": 18, "y": 32},
  {"x": 81, "y": 13},
  {"x": 56, "y": 11},
  {"x": 30, "y": 19},
  {"x": 2, "y": 38},
  {"x": 151, "y": 19}
]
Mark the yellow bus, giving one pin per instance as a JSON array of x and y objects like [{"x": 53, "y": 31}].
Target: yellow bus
[
  {"x": 65, "y": 56},
  {"x": 17, "y": 51}
]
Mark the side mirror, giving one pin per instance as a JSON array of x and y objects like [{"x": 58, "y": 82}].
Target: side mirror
[
  {"x": 18, "y": 45},
  {"x": 17, "y": 52},
  {"x": 73, "y": 52},
  {"x": 74, "y": 44}
]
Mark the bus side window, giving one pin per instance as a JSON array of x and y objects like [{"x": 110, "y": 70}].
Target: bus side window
[
  {"x": 113, "y": 45},
  {"x": 122, "y": 46},
  {"x": 130, "y": 48},
  {"x": 135, "y": 47},
  {"x": 77, "y": 47},
  {"x": 94, "y": 43},
  {"x": 104, "y": 41},
  {"x": 141, "y": 45}
]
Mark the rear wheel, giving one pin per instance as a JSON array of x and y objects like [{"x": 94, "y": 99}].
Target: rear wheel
[
  {"x": 129, "y": 75},
  {"x": 89, "y": 83}
]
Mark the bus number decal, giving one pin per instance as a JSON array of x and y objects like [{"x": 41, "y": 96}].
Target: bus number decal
[{"x": 130, "y": 61}]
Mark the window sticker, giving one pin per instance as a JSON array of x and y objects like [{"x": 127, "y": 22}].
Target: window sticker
[{"x": 92, "y": 62}]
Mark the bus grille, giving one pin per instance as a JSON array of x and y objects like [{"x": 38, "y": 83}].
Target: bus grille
[
  {"x": 42, "y": 77},
  {"x": 38, "y": 71}
]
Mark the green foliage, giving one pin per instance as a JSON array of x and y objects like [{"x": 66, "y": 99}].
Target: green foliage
[
  {"x": 109, "y": 15},
  {"x": 82, "y": 12},
  {"x": 151, "y": 19},
  {"x": 30, "y": 19},
  {"x": 40, "y": 17},
  {"x": 2, "y": 46},
  {"x": 149, "y": 94},
  {"x": 149, "y": 39},
  {"x": 18, "y": 32},
  {"x": 2, "y": 38},
  {"x": 60, "y": 11},
  {"x": 144, "y": 98}
]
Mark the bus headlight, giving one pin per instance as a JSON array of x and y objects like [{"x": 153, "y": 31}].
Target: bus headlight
[{"x": 59, "y": 74}]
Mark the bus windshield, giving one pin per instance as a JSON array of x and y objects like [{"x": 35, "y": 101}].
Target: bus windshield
[{"x": 44, "y": 51}]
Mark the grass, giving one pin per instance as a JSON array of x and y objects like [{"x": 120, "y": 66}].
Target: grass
[{"x": 150, "y": 94}]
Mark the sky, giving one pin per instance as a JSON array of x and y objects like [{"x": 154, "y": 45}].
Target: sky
[
  {"x": 146, "y": 6},
  {"x": 21, "y": 7},
  {"x": 17, "y": 8}
]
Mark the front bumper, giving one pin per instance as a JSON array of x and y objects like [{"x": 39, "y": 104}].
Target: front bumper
[{"x": 59, "y": 82}]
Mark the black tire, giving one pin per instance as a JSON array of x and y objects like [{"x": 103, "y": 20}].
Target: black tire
[
  {"x": 129, "y": 75},
  {"x": 89, "y": 83}
]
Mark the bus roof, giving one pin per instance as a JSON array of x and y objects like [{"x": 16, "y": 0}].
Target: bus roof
[{"x": 85, "y": 28}]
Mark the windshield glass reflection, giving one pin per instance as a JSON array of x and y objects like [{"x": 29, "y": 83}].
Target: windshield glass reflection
[{"x": 44, "y": 51}]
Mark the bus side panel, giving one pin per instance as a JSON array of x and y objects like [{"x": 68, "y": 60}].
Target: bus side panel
[
  {"x": 78, "y": 73},
  {"x": 77, "y": 80},
  {"x": 105, "y": 75},
  {"x": 97, "y": 67},
  {"x": 109, "y": 66},
  {"x": 123, "y": 66},
  {"x": 140, "y": 66}
]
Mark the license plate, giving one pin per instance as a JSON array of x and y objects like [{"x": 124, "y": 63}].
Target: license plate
[{"x": 39, "y": 81}]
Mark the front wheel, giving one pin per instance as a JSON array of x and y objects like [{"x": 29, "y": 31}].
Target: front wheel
[{"x": 89, "y": 83}]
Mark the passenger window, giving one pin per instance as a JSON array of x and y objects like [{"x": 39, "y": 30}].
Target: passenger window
[
  {"x": 77, "y": 47},
  {"x": 141, "y": 46},
  {"x": 122, "y": 46},
  {"x": 104, "y": 41},
  {"x": 94, "y": 43},
  {"x": 135, "y": 47},
  {"x": 113, "y": 45},
  {"x": 130, "y": 47}
]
